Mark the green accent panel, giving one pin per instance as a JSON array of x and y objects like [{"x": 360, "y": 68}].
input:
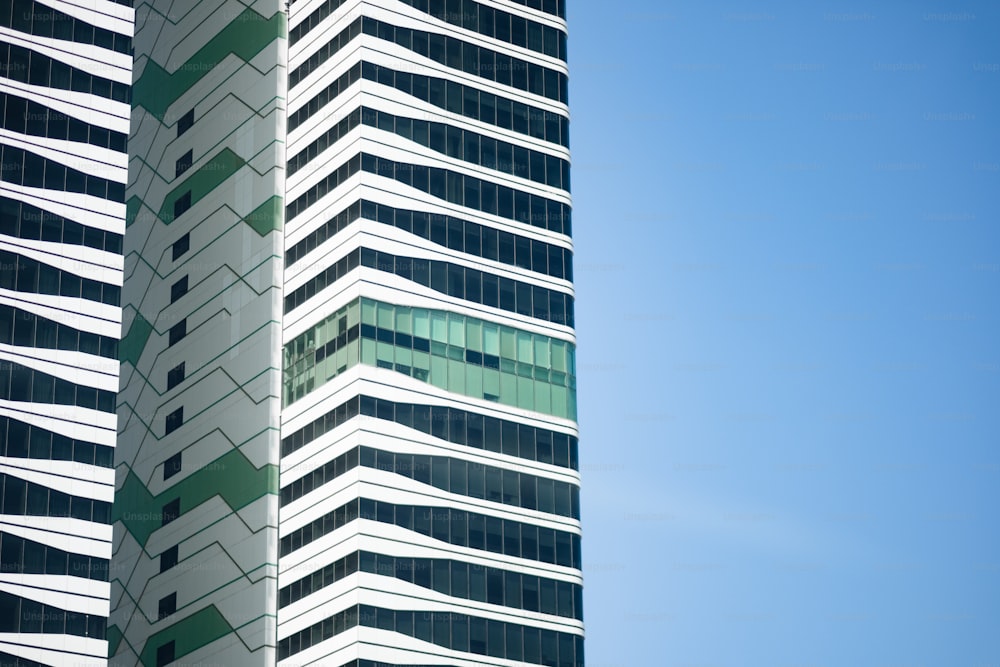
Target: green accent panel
[
  {"x": 246, "y": 36},
  {"x": 267, "y": 217},
  {"x": 114, "y": 639},
  {"x": 454, "y": 352},
  {"x": 189, "y": 634},
  {"x": 231, "y": 476},
  {"x": 132, "y": 207},
  {"x": 131, "y": 346},
  {"x": 205, "y": 179}
]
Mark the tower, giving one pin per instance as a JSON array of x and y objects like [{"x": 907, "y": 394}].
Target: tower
[
  {"x": 392, "y": 340},
  {"x": 64, "y": 91},
  {"x": 429, "y": 504},
  {"x": 196, "y": 514}
]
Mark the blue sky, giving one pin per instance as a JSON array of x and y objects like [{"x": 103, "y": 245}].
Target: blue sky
[{"x": 787, "y": 229}]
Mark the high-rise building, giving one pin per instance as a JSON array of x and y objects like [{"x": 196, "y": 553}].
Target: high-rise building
[
  {"x": 65, "y": 72},
  {"x": 348, "y": 419}
]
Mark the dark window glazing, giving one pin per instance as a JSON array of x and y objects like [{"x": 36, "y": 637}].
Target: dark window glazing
[
  {"x": 452, "y": 186},
  {"x": 497, "y": 639},
  {"x": 22, "y": 167},
  {"x": 35, "y": 18},
  {"x": 29, "y": 222},
  {"x": 537, "y": 256},
  {"x": 21, "y": 498},
  {"x": 168, "y": 558},
  {"x": 45, "y": 559},
  {"x": 25, "y": 329},
  {"x": 172, "y": 466},
  {"x": 465, "y": 478},
  {"x": 185, "y": 122},
  {"x": 496, "y": 23},
  {"x": 28, "y": 117},
  {"x": 511, "y": 538},
  {"x": 20, "y": 383},
  {"x": 496, "y": 435},
  {"x": 175, "y": 376},
  {"x": 553, "y": 7},
  {"x": 476, "y": 60},
  {"x": 462, "y": 145},
  {"x": 183, "y": 163},
  {"x": 31, "y": 67},
  {"x": 21, "y": 440},
  {"x": 22, "y": 274},
  {"x": 180, "y": 246},
  {"x": 485, "y": 584},
  {"x": 25, "y": 616}
]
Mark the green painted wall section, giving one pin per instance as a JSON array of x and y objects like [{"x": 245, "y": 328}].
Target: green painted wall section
[
  {"x": 205, "y": 178},
  {"x": 131, "y": 346},
  {"x": 132, "y": 207},
  {"x": 188, "y": 634},
  {"x": 231, "y": 476},
  {"x": 114, "y": 639},
  {"x": 267, "y": 217},
  {"x": 264, "y": 219},
  {"x": 246, "y": 36}
]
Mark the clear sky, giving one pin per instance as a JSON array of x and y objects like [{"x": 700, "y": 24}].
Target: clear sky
[{"x": 787, "y": 228}]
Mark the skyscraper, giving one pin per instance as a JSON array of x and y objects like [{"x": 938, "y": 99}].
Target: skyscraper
[
  {"x": 348, "y": 384},
  {"x": 64, "y": 86}
]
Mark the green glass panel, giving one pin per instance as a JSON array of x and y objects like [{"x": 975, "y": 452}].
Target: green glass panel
[
  {"x": 508, "y": 389},
  {"x": 439, "y": 372},
  {"x": 559, "y": 355},
  {"x": 474, "y": 335},
  {"x": 524, "y": 347},
  {"x": 508, "y": 343},
  {"x": 543, "y": 397},
  {"x": 560, "y": 401},
  {"x": 525, "y": 393},
  {"x": 524, "y": 378},
  {"x": 542, "y": 351},
  {"x": 474, "y": 380},
  {"x": 439, "y": 326},
  {"x": 456, "y": 376},
  {"x": 368, "y": 352},
  {"x": 421, "y": 360},
  {"x": 491, "y": 339},
  {"x": 571, "y": 359},
  {"x": 421, "y": 323},
  {"x": 404, "y": 320},
  {"x": 385, "y": 315},
  {"x": 367, "y": 312},
  {"x": 456, "y": 330},
  {"x": 491, "y": 382},
  {"x": 384, "y": 353}
]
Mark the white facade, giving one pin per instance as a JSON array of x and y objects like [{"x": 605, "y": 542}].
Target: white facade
[
  {"x": 315, "y": 590},
  {"x": 66, "y": 116}
]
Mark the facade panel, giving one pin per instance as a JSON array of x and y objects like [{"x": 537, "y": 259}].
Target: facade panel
[
  {"x": 347, "y": 419},
  {"x": 429, "y": 485},
  {"x": 64, "y": 119},
  {"x": 196, "y": 506}
]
